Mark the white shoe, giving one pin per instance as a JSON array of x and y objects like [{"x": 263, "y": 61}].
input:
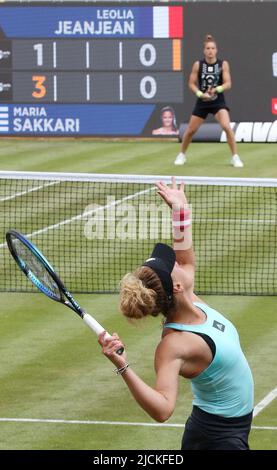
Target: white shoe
[
  {"x": 180, "y": 159},
  {"x": 236, "y": 161}
]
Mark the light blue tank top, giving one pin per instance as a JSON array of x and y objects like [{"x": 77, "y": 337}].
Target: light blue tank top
[{"x": 225, "y": 387}]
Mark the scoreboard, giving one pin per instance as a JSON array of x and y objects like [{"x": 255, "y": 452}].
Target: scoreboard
[
  {"x": 122, "y": 69},
  {"x": 88, "y": 70}
]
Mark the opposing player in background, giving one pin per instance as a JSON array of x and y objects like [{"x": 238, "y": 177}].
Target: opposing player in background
[
  {"x": 198, "y": 343},
  {"x": 208, "y": 80}
]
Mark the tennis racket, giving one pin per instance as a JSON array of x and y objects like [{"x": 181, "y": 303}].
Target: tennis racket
[{"x": 39, "y": 271}]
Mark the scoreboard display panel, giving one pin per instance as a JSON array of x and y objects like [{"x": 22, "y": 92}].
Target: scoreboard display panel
[
  {"x": 122, "y": 69},
  {"x": 89, "y": 70}
]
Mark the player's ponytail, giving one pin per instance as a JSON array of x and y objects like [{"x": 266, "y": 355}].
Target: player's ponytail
[{"x": 142, "y": 294}]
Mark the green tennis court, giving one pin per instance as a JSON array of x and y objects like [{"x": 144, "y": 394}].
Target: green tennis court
[{"x": 57, "y": 390}]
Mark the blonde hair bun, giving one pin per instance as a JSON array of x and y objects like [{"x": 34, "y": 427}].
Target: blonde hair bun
[{"x": 142, "y": 293}]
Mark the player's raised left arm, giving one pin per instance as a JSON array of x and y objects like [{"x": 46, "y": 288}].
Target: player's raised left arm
[{"x": 181, "y": 224}]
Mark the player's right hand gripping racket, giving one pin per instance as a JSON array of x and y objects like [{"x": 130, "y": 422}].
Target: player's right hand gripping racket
[{"x": 39, "y": 271}]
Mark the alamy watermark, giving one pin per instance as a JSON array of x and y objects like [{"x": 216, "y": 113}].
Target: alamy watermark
[{"x": 127, "y": 221}]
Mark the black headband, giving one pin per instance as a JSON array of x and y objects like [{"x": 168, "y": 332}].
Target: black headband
[{"x": 162, "y": 261}]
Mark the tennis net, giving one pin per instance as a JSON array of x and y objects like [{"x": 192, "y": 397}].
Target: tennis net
[{"x": 95, "y": 228}]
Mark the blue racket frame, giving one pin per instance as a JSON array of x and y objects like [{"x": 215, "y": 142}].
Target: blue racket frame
[
  {"x": 71, "y": 302},
  {"x": 66, "y": 297}
]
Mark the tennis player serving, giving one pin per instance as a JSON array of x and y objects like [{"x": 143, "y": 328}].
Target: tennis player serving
[{"x": 197, "y": 343}]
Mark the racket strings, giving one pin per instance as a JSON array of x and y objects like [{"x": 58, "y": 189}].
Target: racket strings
[{"x": 35, "y": 266}]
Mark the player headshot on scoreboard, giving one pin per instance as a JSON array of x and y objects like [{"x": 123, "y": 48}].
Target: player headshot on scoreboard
[{"x": 168, "y": 121}]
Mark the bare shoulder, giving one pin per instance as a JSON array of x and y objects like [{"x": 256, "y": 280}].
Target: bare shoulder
[
  {"x": 176, "y": 345},
  {"x": 195, "y": 66},
  {"x": 186, "y": 351},
  {"x": 225, "y": 65},
  {"x": 157, "y": 131}
]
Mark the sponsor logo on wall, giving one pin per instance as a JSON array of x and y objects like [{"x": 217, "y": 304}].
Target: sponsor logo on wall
[
  {"x": 244, "y": 132},
  {"x": 253, "y": 132}
]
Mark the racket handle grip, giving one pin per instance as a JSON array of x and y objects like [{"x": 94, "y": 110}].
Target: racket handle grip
[
  {"x": 98, "y": 329},
  {"x": 93, "y": 324}
]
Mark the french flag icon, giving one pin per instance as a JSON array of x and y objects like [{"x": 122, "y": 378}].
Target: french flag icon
[{"x": 168, "y": 22}]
